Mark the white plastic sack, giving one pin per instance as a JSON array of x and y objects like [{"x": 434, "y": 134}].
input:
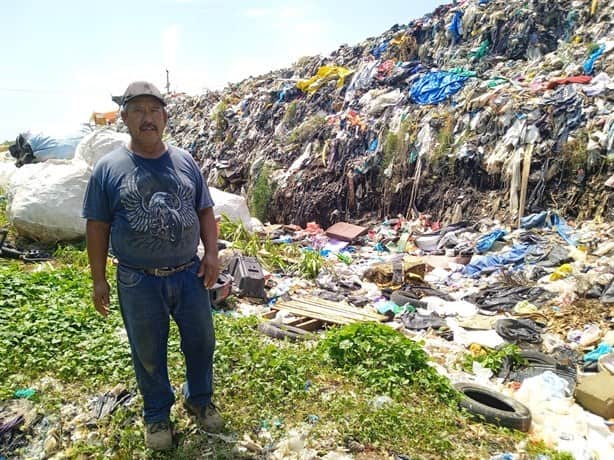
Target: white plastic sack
[
  {"x": 7, "y": 169},
  {"x": 231, "y": 205},
  {"x": 45, "y": 200},
  {"x": 97, "y": 144}
]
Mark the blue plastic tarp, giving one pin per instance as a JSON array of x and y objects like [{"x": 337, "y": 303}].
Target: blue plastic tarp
[
  {"x": 48, "y": 147},
  {"x": 590, "y": 62},
  {"x": 513, "y": 257},
  {"x": 436, "y": 87},
  {"x": 549, "y": 219},
  {"x": 456, "y": 27},
  {"x": 380, "y": 49},
  {"x": 485, "y": 242}
]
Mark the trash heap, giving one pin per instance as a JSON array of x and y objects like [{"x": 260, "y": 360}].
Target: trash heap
[
  {"x": 506, "y": 104},
  {"x": 538, "y": 298}
]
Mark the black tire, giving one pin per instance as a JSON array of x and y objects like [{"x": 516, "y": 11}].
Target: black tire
[
  {"x": 536, "y": 357},
  {"x": 493, "y": 407}
]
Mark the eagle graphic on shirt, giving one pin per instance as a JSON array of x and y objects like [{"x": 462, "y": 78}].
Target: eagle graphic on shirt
[{"x": 159, "y": 207}]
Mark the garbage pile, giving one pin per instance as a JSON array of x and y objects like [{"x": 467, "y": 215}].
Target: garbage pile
[
  {"x": 467, "y": 291},
  {"x": 506, "y": 104}
]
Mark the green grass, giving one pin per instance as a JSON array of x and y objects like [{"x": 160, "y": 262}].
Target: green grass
[{"x": 3, "y": 202}]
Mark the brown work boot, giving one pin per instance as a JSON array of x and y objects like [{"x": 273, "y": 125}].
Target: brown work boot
[
  {"x": 207, "y": 417},
  {"x": 158, "y": 435}
]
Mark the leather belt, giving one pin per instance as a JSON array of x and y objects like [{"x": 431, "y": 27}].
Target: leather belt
[{"x": 162, "y": 271}]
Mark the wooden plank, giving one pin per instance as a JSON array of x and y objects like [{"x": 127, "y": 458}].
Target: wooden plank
[
  {"x": 295, "y": 321},
  {"x": 314, "y": 311},
  {"x": 315, "y": 315},
  {"x": 307, "y": 307},
  {"x": 341, "y": 306},
  {"x": 310, "y": 324},
  {"x": 269, "y": 314}
]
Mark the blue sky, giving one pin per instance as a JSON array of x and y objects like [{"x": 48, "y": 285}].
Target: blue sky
[{"x": 63, "y": 59}]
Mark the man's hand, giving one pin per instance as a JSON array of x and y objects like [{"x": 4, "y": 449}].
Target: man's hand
[
  {"x": 100, "y": 296},
  {"x": 209, "y": 270}
]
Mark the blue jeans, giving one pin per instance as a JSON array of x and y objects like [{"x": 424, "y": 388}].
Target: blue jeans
[{"x": 147, "y": 302}]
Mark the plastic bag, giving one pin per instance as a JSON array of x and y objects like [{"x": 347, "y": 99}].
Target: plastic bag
[
  {"x": 45, "y": 200},
  {"x": 97, "y": 144}
]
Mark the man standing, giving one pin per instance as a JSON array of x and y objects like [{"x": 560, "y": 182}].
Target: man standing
[{"x": 151, "y": 200}]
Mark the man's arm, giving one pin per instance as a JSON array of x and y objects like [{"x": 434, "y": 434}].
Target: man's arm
[
  {"x": 97, "y": 236},
  {"x": 210, "y": 266}
]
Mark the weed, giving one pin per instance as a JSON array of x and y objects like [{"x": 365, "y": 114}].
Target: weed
[
  {"x": 575, "y": 152},
  {"x": 290, "y": 115},
  {"x": 391, "y": 150},
  {"x": 493, "y": 359},
  {"x": 3, "y": 220},
  {"x": 539, "y": 449},
  {"x": 46, "y": 320},
  {"x": 48, "y": 328},
  {"x": 306, "y": 129},
  {"x": 384, "y": 359},
  {"x": 233, "y": 231},
  {"x": 262, "y": 193},
  {"x": 271, "y": 255},
  {"x": 445, "y": 136},
  {"x": 219, "y": 119},
  {"x": 310, "y": 264}
]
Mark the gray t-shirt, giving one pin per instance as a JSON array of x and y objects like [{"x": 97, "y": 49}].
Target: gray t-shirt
[{"x": 151, "y": 204}]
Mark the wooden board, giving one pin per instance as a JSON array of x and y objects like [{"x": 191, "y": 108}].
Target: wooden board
[
  {"x": 306, "y": 324},
  {"x": 324, "y": 310},
  {"x": 343, "y": 231}
]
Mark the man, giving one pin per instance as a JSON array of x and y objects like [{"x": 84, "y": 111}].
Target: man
[{"x": 150, "y": 199}]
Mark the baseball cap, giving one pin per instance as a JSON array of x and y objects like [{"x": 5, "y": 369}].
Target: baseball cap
[{"x": 141, "y": 88}]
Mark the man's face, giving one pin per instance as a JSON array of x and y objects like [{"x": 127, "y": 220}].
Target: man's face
[{"x": 145, "y": 118}]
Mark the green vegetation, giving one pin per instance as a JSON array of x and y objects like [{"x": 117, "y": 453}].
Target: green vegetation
[
  {"x": 385, "y": 360},
  {"x": 290, "y": 115},
  {"x": 262, "y": 193},
  {"x": 534, "y": 449},
  {"x": 233, "y": 231},
  {"x": 445, "y": 137},
  {"x": 3, "y": 220},
  {"x": 306, "y": 129},
  {"x": 574, "y": 151},
  {"x": 360, "y": 386},
  {"x": 284, "y": 257},
  {"x": 493, "y": 359},
  {"x": 310, "y": 264},
  {"x": 219, "y": 119},
  {"x": 391, "y": 150}
]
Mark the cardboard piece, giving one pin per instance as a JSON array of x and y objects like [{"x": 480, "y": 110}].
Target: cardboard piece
[
  {"x": 345, "y": 232},
  {"x": 595, "y": 393}
]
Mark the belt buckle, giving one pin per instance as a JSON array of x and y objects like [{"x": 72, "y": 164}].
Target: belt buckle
[{"x": 162, "y": 272}]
